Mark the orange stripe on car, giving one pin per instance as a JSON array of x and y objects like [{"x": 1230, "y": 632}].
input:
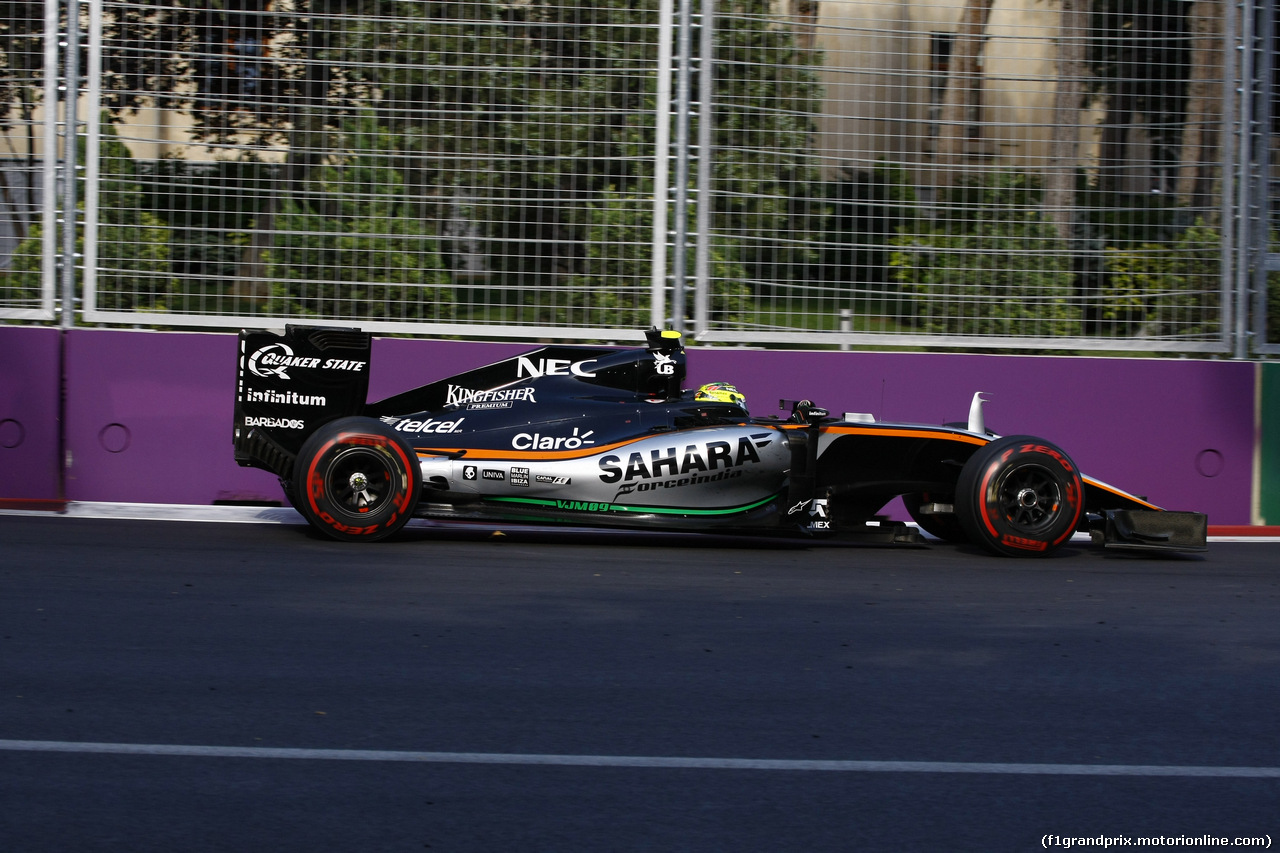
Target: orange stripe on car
[
  {"x": 544, "y": 455},
  {"x": 899, "y": 432},
  {"x": 1106, "y": 487}
]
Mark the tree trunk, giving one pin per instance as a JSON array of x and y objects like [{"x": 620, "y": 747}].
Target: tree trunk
[
  {"x": 963, "y": 84},
  {"x": 1113, "y": 157},
  {"x": 1200, "y": 137},
  {"x": 1060, "y": 177}
]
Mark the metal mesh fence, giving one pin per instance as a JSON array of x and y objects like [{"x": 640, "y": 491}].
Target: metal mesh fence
[
  {"x": 1029, "y": 175},
  {"x": 28, "y": 76},
  {"x": 1017, "y": 174},
  {"x": 1264, "y": 240},
  {"x": 430, "y": 167}
]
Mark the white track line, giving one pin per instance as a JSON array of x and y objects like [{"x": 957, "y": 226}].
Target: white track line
[{"x": 640, "y": 761}]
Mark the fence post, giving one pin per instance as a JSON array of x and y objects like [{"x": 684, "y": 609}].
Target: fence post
[
  {"x": 661, "y": 164},
  {"x": 706, "y": 163},
  {"x": 69, "y": 157},
  {"x": 1244, "y": 163},
  {"x": 92, "y": 166},
  {"x": 49, "y": 164},
  {"x": 680, "y": 260},
  {"x": 1263, "y": 259}
]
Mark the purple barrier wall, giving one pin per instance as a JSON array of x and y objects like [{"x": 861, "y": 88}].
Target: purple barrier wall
[
  {"x": 149, "y": 419},
  {"x": 149, "y": 414},
  {"x": 29, "y": 384},
  {"x": 1180, "y": 432}
]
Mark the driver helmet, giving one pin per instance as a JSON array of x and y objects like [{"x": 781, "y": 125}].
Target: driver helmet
[{"x": 721, "y": 392}]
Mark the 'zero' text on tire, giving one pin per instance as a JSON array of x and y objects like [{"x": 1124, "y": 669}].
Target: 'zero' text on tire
[{"x": 1020, "y": 496}]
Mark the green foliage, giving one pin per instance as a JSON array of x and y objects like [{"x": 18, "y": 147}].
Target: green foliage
[
  {"x": 210, "y": 208},
  {"x": 1165, "y": 290},
  {"x": 539, "y": 115},
  {"x": 866, "y": 208},
  {"x": 1131, "y": 219},
  {"x": 543, "y": 113},
  {"x": 612, "y": 288},
  {"x": 133, "y": 269},
  {"x": 1273, "y": 308},
  {"x": 989, "y": 265},
  {"x": 20, "y": 283},
  {"x": 614, "y": 285},
  {"x": 1273, "y": 296},
  {"x": 766, "y": 97},
  {"x": 365, "y": 255}
]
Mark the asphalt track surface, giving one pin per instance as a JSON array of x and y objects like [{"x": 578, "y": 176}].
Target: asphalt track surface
[{"x": 178, "y": 686}]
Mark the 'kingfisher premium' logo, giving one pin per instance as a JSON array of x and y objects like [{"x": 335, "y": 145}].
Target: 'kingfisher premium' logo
[{"x": 457, "y": 396}]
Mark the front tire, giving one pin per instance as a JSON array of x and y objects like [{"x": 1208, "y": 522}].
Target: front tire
[
  {"x": 355, "y": 479},
  {"x": 1020, "y": 496}
]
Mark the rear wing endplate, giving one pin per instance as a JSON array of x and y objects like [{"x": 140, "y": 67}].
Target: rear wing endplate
[{"x": 287, "y": 386}]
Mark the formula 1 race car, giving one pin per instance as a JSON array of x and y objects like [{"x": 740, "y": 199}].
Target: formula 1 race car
[{"x": 608, "y": 437}]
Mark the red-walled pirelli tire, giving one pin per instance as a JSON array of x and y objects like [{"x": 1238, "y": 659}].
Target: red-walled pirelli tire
[
  {"x": 1020, "y": 496},
  {"x": 356, "y": 480}
]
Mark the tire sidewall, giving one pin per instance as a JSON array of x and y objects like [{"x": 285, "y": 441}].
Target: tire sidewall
[
  {"x": 978, "y": 496},
  {"x": 311, "y": 485}
]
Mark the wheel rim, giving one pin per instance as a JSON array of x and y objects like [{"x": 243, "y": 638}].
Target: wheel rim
[
  {"x": 359, "y": 481},
  {"x": 1030, "y": 498}
]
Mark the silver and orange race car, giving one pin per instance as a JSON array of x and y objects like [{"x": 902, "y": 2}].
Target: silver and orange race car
[{"x": 609, "y": 437}]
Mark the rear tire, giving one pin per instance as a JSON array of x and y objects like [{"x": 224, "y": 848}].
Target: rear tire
[
  {"x": 355, "y": 479},
  {"x": 1020, "y": 496}
]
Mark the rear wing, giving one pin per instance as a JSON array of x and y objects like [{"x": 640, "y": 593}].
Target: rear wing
[{"x": 286, "y": 387}]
